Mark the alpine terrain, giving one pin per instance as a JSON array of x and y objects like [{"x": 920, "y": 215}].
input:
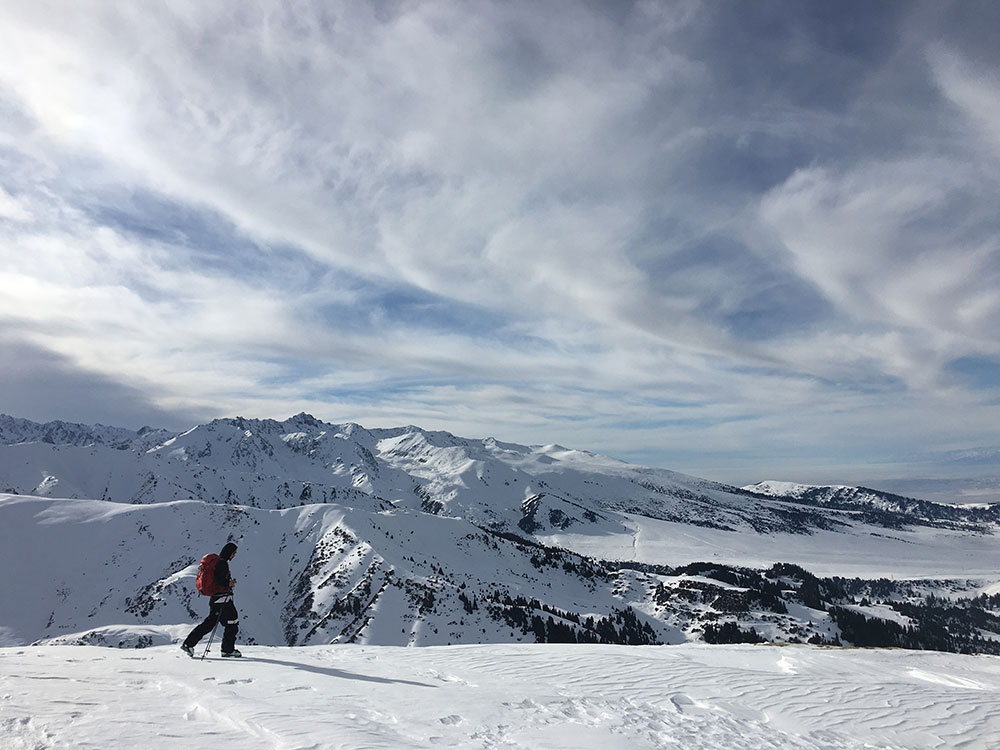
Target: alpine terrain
[{"x": 409, "y": 537}]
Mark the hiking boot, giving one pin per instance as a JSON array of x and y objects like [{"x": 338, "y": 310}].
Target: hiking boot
[
  {"x": 234, "y": 654},
  {"x": 187, "y": 650}
]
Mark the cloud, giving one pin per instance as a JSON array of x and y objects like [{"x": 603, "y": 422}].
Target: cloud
[
  {"x": 656, "y": 230},
  {"x": 38, "y": 384},
  {"x": 904, "y": 245}
]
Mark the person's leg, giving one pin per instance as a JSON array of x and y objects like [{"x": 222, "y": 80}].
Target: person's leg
[
  {"x": 230, "y": 619},
  {"x": 201, "y": 630}
]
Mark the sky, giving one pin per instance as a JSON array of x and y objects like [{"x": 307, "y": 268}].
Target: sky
[{"x": 742, "y": 240}]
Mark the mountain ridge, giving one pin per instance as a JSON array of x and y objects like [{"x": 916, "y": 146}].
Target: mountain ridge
[
  {"x": 277, "y": 464},
  {"x": 878, "y": 505}
]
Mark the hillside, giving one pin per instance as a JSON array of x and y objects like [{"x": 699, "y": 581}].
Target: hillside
[{"x": 332, "y": 574}]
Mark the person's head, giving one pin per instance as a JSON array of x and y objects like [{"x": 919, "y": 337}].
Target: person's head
[{"x": 228, "y": 552}]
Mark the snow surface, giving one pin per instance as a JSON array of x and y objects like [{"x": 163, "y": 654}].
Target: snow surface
[
  {"x": 537, "y": 697},
  {"x": 863, "y": 551},
  {"x": 789, "y": 489}
]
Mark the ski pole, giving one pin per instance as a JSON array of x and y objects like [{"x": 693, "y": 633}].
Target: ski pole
[{"x": 210, "y": 639}]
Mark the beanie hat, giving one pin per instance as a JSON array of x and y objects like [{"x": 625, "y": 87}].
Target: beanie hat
[{"x": 228, "y": 551}]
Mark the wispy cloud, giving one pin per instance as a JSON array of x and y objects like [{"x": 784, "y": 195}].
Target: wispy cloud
[{"x": 698, "y": 236}]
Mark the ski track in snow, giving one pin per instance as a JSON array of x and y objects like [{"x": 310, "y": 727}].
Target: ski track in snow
[{"x": 493, "y": 697}]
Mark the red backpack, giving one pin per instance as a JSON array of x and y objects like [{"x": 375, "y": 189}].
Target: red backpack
[{"x": 205, "y": 582}]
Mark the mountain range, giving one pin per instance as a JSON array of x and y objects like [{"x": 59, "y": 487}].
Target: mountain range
[{"x": 405, "y": 536}]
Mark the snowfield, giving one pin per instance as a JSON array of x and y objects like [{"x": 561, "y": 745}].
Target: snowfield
[
  {"x": 498, "y": 696},
  {"x": 356, "y": 544}
]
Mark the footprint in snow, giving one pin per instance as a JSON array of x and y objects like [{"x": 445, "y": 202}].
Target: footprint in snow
[
  {"x": 685, "y": 704},
  {"x": 527, "y": 703},
  {"x": 452, "y": 720},
  {"x": 433, "y": 673}
]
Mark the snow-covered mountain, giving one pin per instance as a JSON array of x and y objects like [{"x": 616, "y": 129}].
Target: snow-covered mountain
[
  {"x": 14, "y": 430},
  {"x": 877, "y": 506},
  {"x": 536, "y": 490},
  {"x": 90, "y": 571},
  {"x": 409, "y": 537}
]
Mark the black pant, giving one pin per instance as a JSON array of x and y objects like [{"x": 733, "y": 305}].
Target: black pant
[{"x": 220, "y": 609}]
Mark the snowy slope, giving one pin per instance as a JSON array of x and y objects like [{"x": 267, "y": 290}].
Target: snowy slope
[
  {"x": 531, "y": 697},
  {"x": 87, "y": 571},
  {"x": 312, "y": 574},
  {"x": 865, "y": 550}
]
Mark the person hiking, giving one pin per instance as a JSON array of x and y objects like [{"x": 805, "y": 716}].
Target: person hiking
[{"x": 220, "y": 606}]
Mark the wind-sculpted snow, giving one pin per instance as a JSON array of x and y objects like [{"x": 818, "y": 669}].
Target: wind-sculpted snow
[{"x": 517, "y": 697}]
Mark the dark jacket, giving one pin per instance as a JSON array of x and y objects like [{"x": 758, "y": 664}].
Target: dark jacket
[{"x": 222, "y": 577}]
